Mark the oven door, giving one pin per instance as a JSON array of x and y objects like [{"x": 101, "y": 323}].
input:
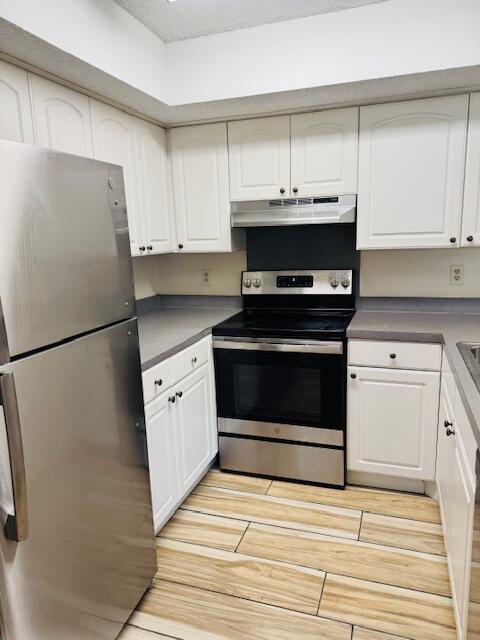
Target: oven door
[{"x": 291, "y": 390}]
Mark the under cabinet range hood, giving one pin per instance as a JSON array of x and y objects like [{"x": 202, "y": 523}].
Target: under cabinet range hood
[{"x": 294, "y": 211}]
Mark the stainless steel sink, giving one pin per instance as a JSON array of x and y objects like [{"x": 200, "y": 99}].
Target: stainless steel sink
[{"x": 471, "y": 354}]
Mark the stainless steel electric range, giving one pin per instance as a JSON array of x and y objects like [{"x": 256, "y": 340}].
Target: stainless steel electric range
[{"x": 280, "y": 368}]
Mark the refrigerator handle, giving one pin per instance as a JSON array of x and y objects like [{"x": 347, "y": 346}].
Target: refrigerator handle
[{"x": 16, "y": 527}]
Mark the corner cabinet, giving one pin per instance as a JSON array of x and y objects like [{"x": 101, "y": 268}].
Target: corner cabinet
[
  {"x": 411, "y": 170},
  {"x": 61, "y": 118},
  {"x": 15, "y": 112},
  {"x": 471, "y": 200},
  {"x": 259, "y": 157},
  {"x": 181, "y": 425},
  {"x": 324, "y": 153},
  {"x": 200, "y": 187},
  {"x": 393, "y": 408}
]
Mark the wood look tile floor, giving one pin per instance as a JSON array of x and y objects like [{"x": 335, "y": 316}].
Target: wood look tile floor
[{"x": 249, "y": 559}]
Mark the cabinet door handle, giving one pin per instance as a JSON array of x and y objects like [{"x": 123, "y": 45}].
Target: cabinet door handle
[
  {"x": 180, "y": 246},
  {"x": 450, "y": 432},
  {"x": 171, "y": 399},
  {"x": 159, "y": 382},
  {"x": 179, "y": 394},
  {"x": 150, "y": 247},
  {"x": 142, "y": 248},
  {"x": 194, "y": 360},
  {"x": 295, "y": 189},
  {"x": 447, "y": 424},
  {"x": 282, "y": 190},
  {"x": 469, "y": 238},
  {"x": 393, "y": 356},
  {"x": 353, "y": 376},
  {"x": 453, "y": 239}
]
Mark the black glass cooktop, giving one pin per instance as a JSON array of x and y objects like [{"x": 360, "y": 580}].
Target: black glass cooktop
[{"x": 274, "y": 323}]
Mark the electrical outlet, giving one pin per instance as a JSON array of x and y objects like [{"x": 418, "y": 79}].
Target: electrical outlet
[
  {"x": 206, "y": 277},
  {"x": 456, "y": 274}
]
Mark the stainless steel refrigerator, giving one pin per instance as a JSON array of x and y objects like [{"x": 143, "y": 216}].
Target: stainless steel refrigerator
[{"x": 77, "y": 546}]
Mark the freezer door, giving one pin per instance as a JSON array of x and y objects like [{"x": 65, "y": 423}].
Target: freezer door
[
  {"x": 65, "y": 265},
  {"x": 88, "y": 550}
]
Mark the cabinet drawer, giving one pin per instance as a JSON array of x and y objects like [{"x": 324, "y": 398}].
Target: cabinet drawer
[
  {"x": 395, "y": 355},
  {"x": 156, "y": 380},
  {"x": 190, "y": 359}
]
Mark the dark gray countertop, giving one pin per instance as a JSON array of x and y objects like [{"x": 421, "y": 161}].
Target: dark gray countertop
[
  {"x": 444, "y": 328},
  {"x": 167, "y": 330}
]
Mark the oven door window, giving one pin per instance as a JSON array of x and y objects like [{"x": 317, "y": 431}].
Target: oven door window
[{"x": 290, "y": 388}]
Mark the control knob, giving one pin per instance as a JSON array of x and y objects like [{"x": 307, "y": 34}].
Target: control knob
[
  {"x": 247, "y": 283},
  {"x": 345, "y": 282},
  {"x": 334, "y": 282},
  {"x": 257, "y": 282}
]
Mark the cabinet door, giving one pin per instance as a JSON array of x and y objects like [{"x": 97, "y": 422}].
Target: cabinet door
[
  {"x": 444, "y": 454},
  {"x": 194, "y": 427},
  {"x": 324, "y": 153},
  {"x": 459, "y": 532},
  {"x": 259, "y": 158},
  {"x": 471, "y": 200},
  {"x": 61, "y": 118},
  {"x": 154, "y": 186},
  {"x": 162, "y": 458},
  {"x": 200, "y": 187},
  {"x": 114, "y": 141},
  {"x": 410, "y": 178},
  {"x": 392, "y": 422},
  {"x": 15, "y": 113}
]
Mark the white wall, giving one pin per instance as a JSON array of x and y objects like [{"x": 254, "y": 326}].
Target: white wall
[
  {"x": 100, "y": 33},
  {"x": 383, "y": 40},
  {"x": 419, "y": 273}
]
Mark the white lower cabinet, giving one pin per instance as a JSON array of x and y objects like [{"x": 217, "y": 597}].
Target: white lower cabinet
[
  {"x": 456, "y": 490},
  {"x": 181, "y": 432}
]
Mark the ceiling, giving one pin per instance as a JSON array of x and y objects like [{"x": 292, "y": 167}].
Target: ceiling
[{"x": 184, "y": 19}]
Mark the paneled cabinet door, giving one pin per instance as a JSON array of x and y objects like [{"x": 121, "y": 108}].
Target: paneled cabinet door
[
  {"x": 193, "y": 427},
  {"x": 154, "y": 186},
  {"x": 61, "y": 118},
  {"x": 15, "y": 112},
  {"x": 392, "y": 422},
  {"x": 259, "y": 158},
  {"x": 471, "y": 200},
  {"x": 461, "y": 503},
  {"x": 324, "y": 153},
  {"x": 410, "y": 176},
  {"x": 114, "y": 141},
  {"x": 200, "y": 187},
  {"x": 162, "y": 458}
]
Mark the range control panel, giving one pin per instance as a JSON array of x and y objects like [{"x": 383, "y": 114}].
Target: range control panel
[{"x": 318, "y": 282}]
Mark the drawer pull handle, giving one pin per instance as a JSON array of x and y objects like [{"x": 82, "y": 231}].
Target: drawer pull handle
[
  {"x": 450, "y": 432},
  {"x": 179, "y": 394},
  {"x": 194, "y": 360},
  {"x": 393, "y": 356},
  {"x": 171, "y": 399},
  {"x": 353, "y": 376},
  {"x": 159, "y": 382},
  {"x": 447, "y": 424}
]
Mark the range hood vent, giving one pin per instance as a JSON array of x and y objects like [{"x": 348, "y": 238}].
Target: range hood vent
[{"x": 294, "y": 211}]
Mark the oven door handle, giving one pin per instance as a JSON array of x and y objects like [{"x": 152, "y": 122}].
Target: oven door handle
[{"x": 281, "y": 346}]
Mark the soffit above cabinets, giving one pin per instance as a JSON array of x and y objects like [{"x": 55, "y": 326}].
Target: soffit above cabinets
[{"x": 174, "y": 20}]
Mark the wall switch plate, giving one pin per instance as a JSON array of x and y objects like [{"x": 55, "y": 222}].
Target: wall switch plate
[
  {"x": 206, "y": 277},
  {"x": 456, "y": 274}
]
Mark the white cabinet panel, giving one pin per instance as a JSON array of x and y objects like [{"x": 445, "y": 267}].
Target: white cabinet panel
[
  {"x": 395, "y": 355},
  {"x": 61, "y": 117},
  {"x": 162, "y": 459},
  {"x": 411, "y": 168},
  {"x": 392, "y": 422},
  {"x": 471, "y": 201},
  {"x": 154, "y": 187},
  {"x": 324, "y": 153},
  {"x": 193, "y": 427},
  {"x": 200, "y": 187},
  {"x": 15, "y": 112},
  {"x": 444, "y": 451},
  {"x": 259, "y": 158},
  {"x": 114, "y": 141}
]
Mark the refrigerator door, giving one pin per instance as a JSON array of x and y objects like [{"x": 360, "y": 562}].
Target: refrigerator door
[
  {"x": 88, "y": 550},
  {"x": 65, "y": 265}
]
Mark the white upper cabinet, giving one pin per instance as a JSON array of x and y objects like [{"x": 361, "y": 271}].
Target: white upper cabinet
[
  {"x": 114, "y": 141},
  {"x": 259, "y": 157},
  {"x": 471, "y": 200},
  {"x": 411, "y": 169},
  {"x": 324, "y": 153},
  {"x": 61, "y": 117},
  {"x": 200, "y": 187},
  {"x": 15, "y": 112},
  {"x": 154, "y": 187}
]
